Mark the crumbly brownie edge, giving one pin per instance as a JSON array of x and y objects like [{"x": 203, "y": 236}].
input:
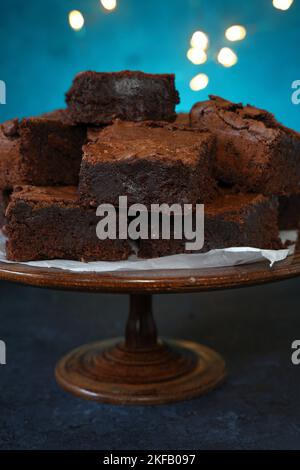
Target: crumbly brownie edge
[
  {"x": 41, "y": 230},
  {"x": 258, "y": 157},
  {"x": 59, "y": 162},
  {"x": 156, "y": 98},
  {"x": 175, "y": 183},
  {"x": 254, "y": 225},
  {"x": 157, "y": 177}
]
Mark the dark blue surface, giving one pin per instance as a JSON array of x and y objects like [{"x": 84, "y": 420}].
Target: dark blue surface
[
  {"x": 257, "y": 408},
  {"x": 40, "y": 54}
]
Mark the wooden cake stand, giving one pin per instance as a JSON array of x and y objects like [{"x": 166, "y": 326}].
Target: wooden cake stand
[{"x": 142, "y": 369}]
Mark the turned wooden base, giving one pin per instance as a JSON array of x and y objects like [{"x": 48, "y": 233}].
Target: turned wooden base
[{"x": 141, "y": 369}]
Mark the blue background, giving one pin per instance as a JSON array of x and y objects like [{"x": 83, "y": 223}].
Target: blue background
[{"x": 40, "y": 53}]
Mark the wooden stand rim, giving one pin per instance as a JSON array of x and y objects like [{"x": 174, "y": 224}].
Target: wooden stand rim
[{"x": 162, "y": 281}]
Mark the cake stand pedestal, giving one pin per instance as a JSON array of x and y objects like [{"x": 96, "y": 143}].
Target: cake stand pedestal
[{"x": 141, "y": 368}]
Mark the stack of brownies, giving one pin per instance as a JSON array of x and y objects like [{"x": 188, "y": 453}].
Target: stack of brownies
[{"x": 120, "y": 136}]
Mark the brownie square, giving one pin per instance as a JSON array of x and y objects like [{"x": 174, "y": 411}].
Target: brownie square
[
  {"x": 48, "y": 223},
  {"x": 289, "y": 212},
  {"x": 248, "y": 220},
  {"x": 43, "y": 150},
  {"x": 147, "y": 162},
  {"x": 254, "y": 152},
  {"x": 99, "y": 98}
]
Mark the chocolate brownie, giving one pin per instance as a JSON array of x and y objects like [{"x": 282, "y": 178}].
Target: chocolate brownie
[
  {"x": 99, "y": 98},
  {"x": 248, "y": 220},
  {"x": 10, "y": 173},
  {"x": 48, "y": 223},
  {"x": 43, "y": 150},
  {"x": 147, "y": 162},
  {"x": 289, "y": 212},
  {"x": 183, "y": 118},
  {"x": 254, "y": 152},
  {"x": 4, "y": 196}
]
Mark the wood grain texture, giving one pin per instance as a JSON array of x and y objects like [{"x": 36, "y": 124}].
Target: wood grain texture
[{"x": 168, "y": 372}]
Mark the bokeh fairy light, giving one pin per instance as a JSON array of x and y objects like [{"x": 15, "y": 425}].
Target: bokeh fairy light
[
  {"x": 202, "y": 39},
  {"x": 199, "y": 82},
  {"x": 196, "y": 56},
  {"x": 283, "y": 4},
  {"x": 76, "y": 20},
  {"x": 227, "y": 57},
  {"x": 199, "y": 40},
  {"x": 235, "y": 33},
  {"x": 200, "y": 48},
  {"x": 109, "y": 4}
]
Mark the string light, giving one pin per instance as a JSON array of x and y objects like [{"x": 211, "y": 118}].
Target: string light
[
  {"x": 235, "y": 33},
  {"x": 227, "y": 57},
  {"x": 199, "y": 82},
  {"x": 76, "y": 20},
  {"x": 199, "y": 40},
  {"x": 196, "y": 56},
  {"x": 109, "y": 4},
  {"x": 283, "y": 4}
]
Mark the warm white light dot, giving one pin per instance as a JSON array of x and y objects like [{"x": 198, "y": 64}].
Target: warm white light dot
[
  {"x": 227, "y": 57},
  {"x": 282, "y": 4},
  {"x": 199, "y": 82},
  {"x": 236, "y": 33},
  {"x": 199, "y": 40},
  {"x": 196, "y": 56},
  {"x": 109, "y": 4},
  {"x": 76, "y": 20}
]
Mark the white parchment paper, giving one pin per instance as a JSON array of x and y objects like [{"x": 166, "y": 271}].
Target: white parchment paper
[{"x": 212, "y": 259}]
